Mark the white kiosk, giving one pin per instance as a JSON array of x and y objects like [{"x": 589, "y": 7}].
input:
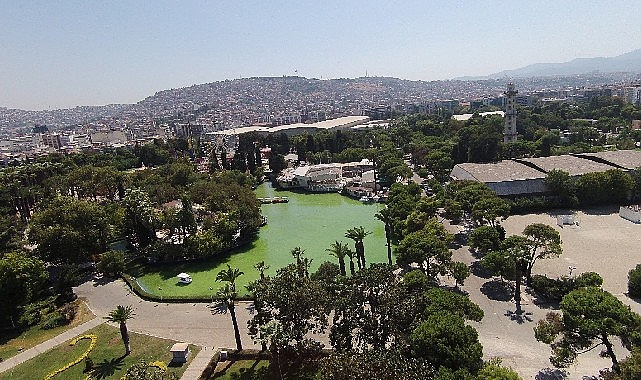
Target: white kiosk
[{"x": 184, "y": 278}]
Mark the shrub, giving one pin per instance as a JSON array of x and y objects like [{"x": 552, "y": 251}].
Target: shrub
[
  {"x": 555, "y": 289},
  {"x": 53, "y": 320},
  {"x": 327, "y": 272},
  {"x": 634, "y": 282}
]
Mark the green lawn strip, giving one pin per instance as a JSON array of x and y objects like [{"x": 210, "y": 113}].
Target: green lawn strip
[
  {"x": 106, "y": 355},
  {"x": 12, "y": 343},
  {"x": 254, "y": 365},
  {"x": 241, "y": 369}
]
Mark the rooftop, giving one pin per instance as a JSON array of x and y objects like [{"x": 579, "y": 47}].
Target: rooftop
[
  {"x": 571, "y": 164},
  {"x": 468, "y": 116},
  {"x": 506, "y": 170},
  {"x": 628, "y": 159}
]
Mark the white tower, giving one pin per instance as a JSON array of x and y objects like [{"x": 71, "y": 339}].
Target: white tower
[{"x": 509, "y": 132}]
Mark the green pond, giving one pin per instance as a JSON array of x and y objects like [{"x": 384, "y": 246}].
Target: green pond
[{"x": 309, "y": 221}]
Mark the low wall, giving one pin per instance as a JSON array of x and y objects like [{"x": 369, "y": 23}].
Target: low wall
[{"x": 633, "y": 215}]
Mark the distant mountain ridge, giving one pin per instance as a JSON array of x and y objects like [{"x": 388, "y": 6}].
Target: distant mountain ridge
[{"x": 627, "y": 62}]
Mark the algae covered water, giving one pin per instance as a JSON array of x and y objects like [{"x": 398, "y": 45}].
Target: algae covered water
[
  {"x": 313, "y": 222},
  {"x": 310, "y": 221}
]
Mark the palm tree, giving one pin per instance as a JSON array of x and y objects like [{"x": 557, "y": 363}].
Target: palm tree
[
  {"x": 120, "y": 315},
  {"x": 384, "y": 216},
  {"x": 227, "y": 295},
  {"x": 339, "y": 250},
  {"x": 358, "y": 234},
  {"x": 229, "y": 275},
  {"x": 261, "y": 268},
  {"x": 302, "y": 263},
  {"x": 351, "y": 254}
]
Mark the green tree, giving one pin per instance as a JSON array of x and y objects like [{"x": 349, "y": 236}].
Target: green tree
[
  {"x": 484, "y": 239},
  {"x": 591, "y": 317},
  {"x": 261, "y": 267},
  {"x": 69, "y": 230},
  {"x": 121, "y": 314},
  {"x": 634, "y": 282},
  {"x": 490, "y": 210},
  {"x": 112, "y": 263},
  {"x": 561, "y": 184},
  {"x": 444, "y": 340},
  {"x": 227, "y": 294},
  {"x": 385, "y": 217},
  {"x": 459, "y": 272},
  {"x": 139, "y": 217},
  {"x": 339, "y": 250},
  {"x": 358, "y": 234},
  {"x": 381, "y": 364},
  {"x": 543, "y": 242},
  {"x": 22, "y": 279},
  {"x": 517, "y": 251},
  {"x": 429, "y": 251},
  {"x": 493, "y": 370},
  {"x": 229, "y": 275},
  {"x": 499, "y": 263},
  {"x": 294, "y": 303}
]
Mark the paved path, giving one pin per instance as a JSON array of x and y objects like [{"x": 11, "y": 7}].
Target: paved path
[
  {"x": 198, "y": 364},
  {"x": 49, "y": 344},
  {"x": 202, "y": 324}
]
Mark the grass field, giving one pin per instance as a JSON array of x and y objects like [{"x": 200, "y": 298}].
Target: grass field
[
  {"x": 107, "y": 356},
  {"x": 12, "y": 342}
]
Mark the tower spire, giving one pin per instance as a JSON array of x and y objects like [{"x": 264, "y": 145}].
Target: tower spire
[{"x": 509, "y": 131}]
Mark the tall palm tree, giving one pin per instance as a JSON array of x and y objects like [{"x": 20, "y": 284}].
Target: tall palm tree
[
  {"x": 120, "y": 315},
  {"x": 302, "y": 263},
  {"x": 261, "y": 268},
  {"x": 358, "y": 234},
  {"x": 227, "y": 295},
  {"x": 351, "y": 254},
  {"x": 384, "y": 216},
  {"x": 339, "y": 250},
  {"x": 229, "y": 275}
]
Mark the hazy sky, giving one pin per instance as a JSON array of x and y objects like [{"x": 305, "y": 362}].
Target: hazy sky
[{"x": 58, "y": 54}]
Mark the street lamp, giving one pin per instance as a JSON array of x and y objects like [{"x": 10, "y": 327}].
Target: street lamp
[{"x": 571, "y": 268}]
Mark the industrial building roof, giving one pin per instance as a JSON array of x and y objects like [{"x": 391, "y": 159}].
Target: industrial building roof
[
  {"x": 506, "y": 170},
  {"x": 241, "y": 130},
  {"x": 570, "y": 164},
  {"x": 468, "y": 116},
  {"x": 627, "y": 159},
  {"x": 323, "y": 125}
]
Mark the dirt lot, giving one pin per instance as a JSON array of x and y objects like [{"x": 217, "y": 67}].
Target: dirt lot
[{"x": 601, "y": 241}]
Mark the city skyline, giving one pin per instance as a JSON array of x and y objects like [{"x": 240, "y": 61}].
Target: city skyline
[{"x": 61, "y": 55}]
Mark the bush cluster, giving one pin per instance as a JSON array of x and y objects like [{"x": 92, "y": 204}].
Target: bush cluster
[
  {"x": 634, "y": 282},
  {"x": 555, "y": 289}
]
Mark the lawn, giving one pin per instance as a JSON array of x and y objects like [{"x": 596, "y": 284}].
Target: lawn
[
  {"x": 13, "y": 341},
  {"x": 240, "y": 369},
  {"x": 249, "y": 365},
  {"x": 107, "y": 356},
  {"x": 309, "y": 221}
]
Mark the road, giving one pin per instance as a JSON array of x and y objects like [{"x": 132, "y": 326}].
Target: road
[{"x": 198, "y": 323}]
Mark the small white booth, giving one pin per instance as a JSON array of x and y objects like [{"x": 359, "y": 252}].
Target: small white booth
[
  {"x": 184, "y": 278},
  {"x": 179, "y": 352}
]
